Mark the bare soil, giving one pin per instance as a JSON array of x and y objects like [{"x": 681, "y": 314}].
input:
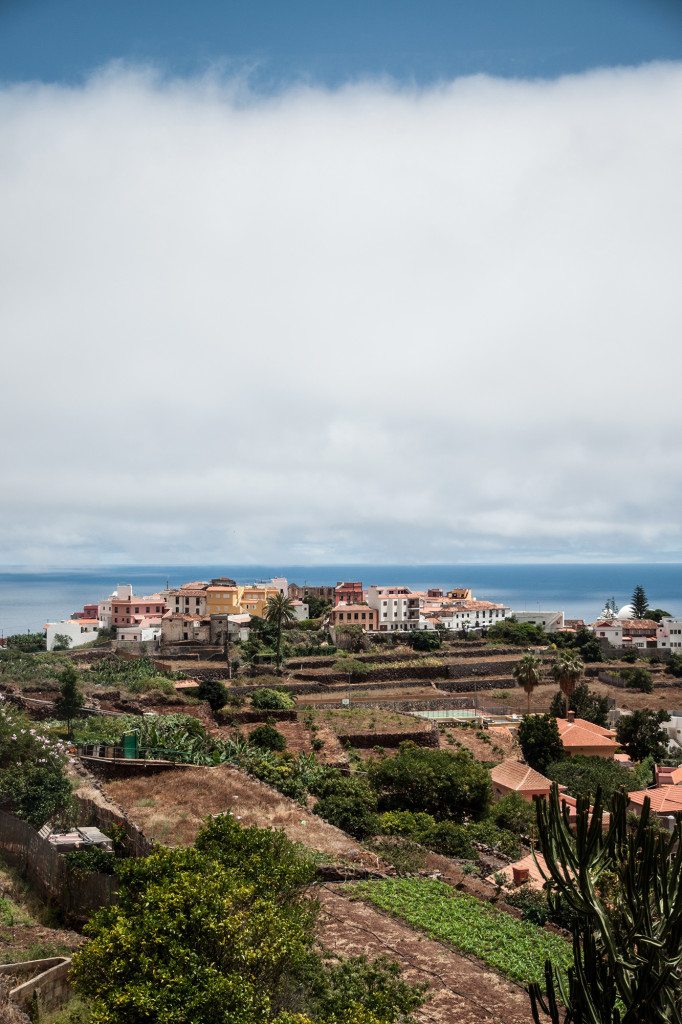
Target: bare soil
[
  {"x": 298, "y": 737},
  {"x": 356, "y": 720},
  {"x": 667, "y": 698},
  {"x": 172, "y": 806},
  {"x": 499, "y": 745},
  {"x": 462, "y": 990}
]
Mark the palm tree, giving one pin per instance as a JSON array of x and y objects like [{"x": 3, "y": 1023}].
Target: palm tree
[
  {"x": 528, "y": 673},
  {"x": 279, "y": 612},
  {"x": 568, "y": 670}
]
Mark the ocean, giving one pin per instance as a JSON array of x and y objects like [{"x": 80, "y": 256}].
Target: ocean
[{"x": 30, "y": 597}]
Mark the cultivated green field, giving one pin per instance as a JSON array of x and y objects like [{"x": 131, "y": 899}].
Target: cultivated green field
[{"x": 515, "y": 948}]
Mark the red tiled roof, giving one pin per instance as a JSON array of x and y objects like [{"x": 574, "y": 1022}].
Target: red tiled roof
[
  {"x": 580, "y": 733},
  {"x": 520, "y": 777},
  {"x": 664, "y": 799}
]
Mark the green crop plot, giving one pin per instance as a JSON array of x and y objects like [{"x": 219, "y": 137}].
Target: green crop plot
[{"x": 515, "y": 948}]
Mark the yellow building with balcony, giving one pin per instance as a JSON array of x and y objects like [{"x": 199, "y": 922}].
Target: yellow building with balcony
[{"x": 233, "y": 599}]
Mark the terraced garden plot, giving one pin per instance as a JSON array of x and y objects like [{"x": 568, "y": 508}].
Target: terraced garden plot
[{"x": 516, "y": 948}]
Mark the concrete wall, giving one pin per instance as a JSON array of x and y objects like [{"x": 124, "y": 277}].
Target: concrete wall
[{"x": 47, "y": 986}]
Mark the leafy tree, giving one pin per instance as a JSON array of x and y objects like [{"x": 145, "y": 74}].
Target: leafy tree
[
  {"x": 351, "y": 638},
  {"x": 62, "y": 642},
  {"x": 443, "y": 783},
  {"x": 214, "y": 693},
  {"x": 540, "y": 741},
  {"x": 583, "y": 776},
  {"x": 267, "y": 699},
  {"x": 70, "y": 702},
  {"x": 585, "y": 702},
  {"x": 424, "y": 639},
  {"x": 588, "y": 645},
  {"x": 29, "y": 643},
  {"x": 641, "y": 736},
  {"x": 639, "y": 603},
  {"x": 196, "y": 936},
  {"x": 638, "y": 679},
  {"x": 317, "y": 606},
  {"x": 623, "y": 890},
  {"x": 528, "y": 674},
  {"x": 657, "y": 614},
  {"x": 515, "y": 814},
  {"x": 279, "y": 612},
  {"x": 568, "y": 670},
  {"x": 675, "y": 665},
  {"x": 522, "y": 634},
  {"x": 267, "y": 738}
]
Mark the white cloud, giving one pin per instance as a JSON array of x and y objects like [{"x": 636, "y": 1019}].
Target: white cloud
[{"x": 370, "y": 324}]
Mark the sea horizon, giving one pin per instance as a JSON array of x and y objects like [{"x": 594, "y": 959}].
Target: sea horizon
[{"x": 30, "y": 595}]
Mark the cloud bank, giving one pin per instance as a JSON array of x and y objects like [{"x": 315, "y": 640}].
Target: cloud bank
[{"x": 371, "y": 324}]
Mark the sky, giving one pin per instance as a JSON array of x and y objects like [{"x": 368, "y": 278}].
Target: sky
[{"x": 380, "y": 282}]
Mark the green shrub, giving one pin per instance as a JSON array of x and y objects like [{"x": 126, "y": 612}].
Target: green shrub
[
  {"x": 267, "y": 738},
  {"x": 638, "y": 679},
  {"x": 268, "y": 699},
  {"x": 540, "y": 741},
  {"x": 92, "y": 860},
  {"x": 514, "y": 814},
  {"x": 347, "y": 802},
  {"x": 446, "y": 784},
  {"x": 213, "y": 692}
]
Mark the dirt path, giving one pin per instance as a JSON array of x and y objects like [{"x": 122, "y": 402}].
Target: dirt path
[{"x": 462, "y": 990}]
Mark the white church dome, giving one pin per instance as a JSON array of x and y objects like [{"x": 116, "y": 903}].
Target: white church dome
[{"x": 626, "y": 612}]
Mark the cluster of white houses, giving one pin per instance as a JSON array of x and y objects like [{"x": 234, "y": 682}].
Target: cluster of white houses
[{"x": 200, "y": 612}]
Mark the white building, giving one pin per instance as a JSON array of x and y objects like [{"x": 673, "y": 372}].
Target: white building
[
  {"x": 397, "y": 608},
  {"x": 79, "y": 631},
  {"x": 144, "y": 631},
  {"x": 460, "y": 610},
  {"x": 674, "y": 730},
  {"x": 301, "y": 610},
  {"x": 551, "y": 622},
  {"x": 670, "y": 635}
]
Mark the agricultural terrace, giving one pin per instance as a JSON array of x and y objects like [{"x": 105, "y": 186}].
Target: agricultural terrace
[{"x": 518, "y": 949}]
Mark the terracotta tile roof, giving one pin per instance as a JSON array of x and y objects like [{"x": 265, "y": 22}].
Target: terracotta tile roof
[
  {"x": 520, "y": 777},
  {"x": 669, "y": 776},
  {"x": 664, "y": 799},
  {"x": 580, "y": 733}
]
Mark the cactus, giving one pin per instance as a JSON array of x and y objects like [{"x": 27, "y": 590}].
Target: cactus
[{"x": 623, "y": 887}]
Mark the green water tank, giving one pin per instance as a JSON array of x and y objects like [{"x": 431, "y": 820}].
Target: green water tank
[{"x": 130, "y": 744}]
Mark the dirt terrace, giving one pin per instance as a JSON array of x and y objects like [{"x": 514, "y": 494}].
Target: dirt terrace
[
  {"x": 462, "y": 990},
  {"x": 667, "y": 698},
  {"x": 171, "y": 807}
]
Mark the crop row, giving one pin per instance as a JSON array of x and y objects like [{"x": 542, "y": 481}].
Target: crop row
[{"x": 517, "y": 949}]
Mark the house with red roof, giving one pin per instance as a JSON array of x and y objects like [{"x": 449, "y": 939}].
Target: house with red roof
[{"x": 582, "y": 737}]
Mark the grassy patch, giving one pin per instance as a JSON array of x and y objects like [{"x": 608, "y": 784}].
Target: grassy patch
[{"x": 515, "y": 948}]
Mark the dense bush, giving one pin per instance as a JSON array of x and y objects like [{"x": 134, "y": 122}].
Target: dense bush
[
  {"x": 638, "y": 679},
  {"x": 32, "y": 780},
  {"x": 443, "y": 783},
  {"x": 424, "y": 639},
  {"x": 92, "y": 859},
  {"x": 582, "y": 776},
  {"x": 515, "y": 814},
  {"x": 28, "y": 643},
  {"x": 522, "y": 634},
  {"x": 268, "y": 699},
  {"x": 347, "y": 802},
  {"x": 213, "y": 692},
  {"x": 267, "y": 738}
]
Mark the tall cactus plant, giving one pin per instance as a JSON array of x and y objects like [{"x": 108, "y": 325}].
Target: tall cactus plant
[{"x": 623, "y": 889}]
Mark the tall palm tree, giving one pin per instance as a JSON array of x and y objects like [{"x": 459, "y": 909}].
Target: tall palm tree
[
  {"x": 528, "y": 673},
  {"x": 279, "y": 612},
  {"x": 568, "y": 670}
]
